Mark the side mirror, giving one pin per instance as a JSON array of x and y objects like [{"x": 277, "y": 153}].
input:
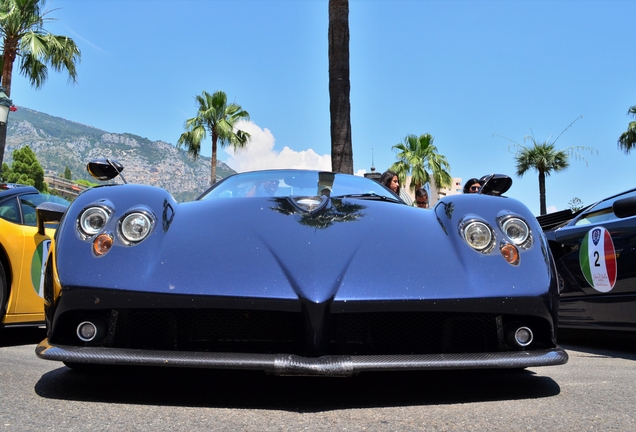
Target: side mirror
[
  {"x": 625, "y": 207},
  {"x": 48, "y": 212},
  {"x": 495, "y": 184},
  {"x": 105, "y": 169}
]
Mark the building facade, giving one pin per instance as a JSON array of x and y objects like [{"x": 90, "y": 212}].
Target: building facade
[{"x": 65, "y": 188}]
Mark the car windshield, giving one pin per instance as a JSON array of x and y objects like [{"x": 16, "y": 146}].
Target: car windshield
[
  {"x": 603, "y": 211},
  {"x": 29, "y": 203},
  {"x": 285, "y": 183}
]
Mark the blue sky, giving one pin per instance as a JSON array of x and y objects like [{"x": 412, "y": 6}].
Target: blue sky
[{"x": 462, "y": 71}]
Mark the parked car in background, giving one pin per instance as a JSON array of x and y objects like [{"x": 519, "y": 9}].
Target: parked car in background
[
  {"x": 298, "y": 272},
  {"x": 595, "y": 255},
  {"x": 22, "y": 249}
]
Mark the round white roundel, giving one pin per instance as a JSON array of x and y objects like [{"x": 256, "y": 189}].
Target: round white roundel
[{"x": 598, "y": 259}]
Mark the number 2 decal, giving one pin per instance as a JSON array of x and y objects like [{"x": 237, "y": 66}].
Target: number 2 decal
[{"x": 597, "y": 259}]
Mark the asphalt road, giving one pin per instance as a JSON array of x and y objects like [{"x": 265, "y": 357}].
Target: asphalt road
[{"x": 596, "y": 390}]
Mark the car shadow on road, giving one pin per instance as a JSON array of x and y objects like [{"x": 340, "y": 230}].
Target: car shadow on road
[
  {"x": 14, "y": 336},
  {"x": 602, "y": 343},
  {"x": 255, "y": 390}
]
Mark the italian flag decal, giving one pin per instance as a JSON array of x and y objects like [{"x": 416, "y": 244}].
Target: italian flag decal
[
  {"x": 598, "y": 259},
  {"x": 38, "y": 266}
]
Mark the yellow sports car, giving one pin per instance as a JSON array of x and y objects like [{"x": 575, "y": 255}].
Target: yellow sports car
[{"x": 21, "y": 252}]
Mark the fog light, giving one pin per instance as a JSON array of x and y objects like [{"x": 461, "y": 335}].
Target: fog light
[
  {"x": 518, "y": 335},
  {"x": 523, "y": 336},
  {"x": 86, "y": 331}
]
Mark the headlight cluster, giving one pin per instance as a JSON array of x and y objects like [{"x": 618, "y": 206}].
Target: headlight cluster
[
  {"x": 135, "y": 227},
  {"x": 131, "y": 228},
  {"x": 480, "y": 236},
  {"x": 517, "y": 231},
  {"x": 93, "y": 219}
]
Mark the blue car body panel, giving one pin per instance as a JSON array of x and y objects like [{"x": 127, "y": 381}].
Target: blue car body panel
[{"x": 356, "y": 256}]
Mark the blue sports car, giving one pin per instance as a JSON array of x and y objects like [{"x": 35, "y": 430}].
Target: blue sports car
[{"x": 298, "y": 272}]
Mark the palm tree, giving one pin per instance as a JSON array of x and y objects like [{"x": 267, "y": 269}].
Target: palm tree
[
  {"x": 24, "y": 37},
  {"x": 218, "y": 118},
  {"x": 545, "y": 158},
  {"x": 340, "y": 87},
  {"x": 418, "y": 157},
  {"x": 627, "y": 140}
]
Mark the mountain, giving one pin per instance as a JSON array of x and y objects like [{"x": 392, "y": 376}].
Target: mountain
[{"x": 59, "y": 143}]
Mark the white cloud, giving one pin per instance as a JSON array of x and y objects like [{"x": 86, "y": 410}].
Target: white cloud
[
  {"x": 361, "y": 172},
  {"x": 551, "y": 209},
  {"x": 260, "y": 154}
]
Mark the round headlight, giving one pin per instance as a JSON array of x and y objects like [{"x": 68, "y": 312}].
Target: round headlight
[
  {"x": 93, "y": 219},
  {"x": 516, "y": 230},
  {"x": 478, "y": 235},
  {"x": 135, "y": 227}
]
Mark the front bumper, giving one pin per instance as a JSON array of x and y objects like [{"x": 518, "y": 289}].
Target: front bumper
[{"x": 289, "y": 364}]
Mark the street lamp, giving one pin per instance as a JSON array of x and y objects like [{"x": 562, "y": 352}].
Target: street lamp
[{"x": 5, "y": 106}]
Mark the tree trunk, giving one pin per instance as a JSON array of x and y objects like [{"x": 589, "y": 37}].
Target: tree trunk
[
  {"x": 434, "y": 195},
  {"x": 10, "y": 48},
  {"x": 542, "y": 192},
  {"x": 8, "y": 58},
  {"x": 213, "y": 161},
  {"x": 340, "y": 87}
]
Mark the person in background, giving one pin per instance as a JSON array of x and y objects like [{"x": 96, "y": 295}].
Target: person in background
[
  {"x": 421, "y": 199},
  {"x": 264, "y": 188},
  {"x": 391, "y": 180},
  {"x": 472, "y": 186}
]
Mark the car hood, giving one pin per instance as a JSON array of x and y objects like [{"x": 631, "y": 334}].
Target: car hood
[{"x": 355, "y": 249}]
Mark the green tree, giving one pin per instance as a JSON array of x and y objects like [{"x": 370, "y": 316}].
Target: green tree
[
  {"x": 627, "y": 140},
  {"x": 218, "y": 118},
  {"x": 545, "y": 159},
  {"x": 86, "y": 183},
  {"x": 340, "y": 87},
  {"x": 25, "y": 38},
  {"x": 67, "y": 174},
  {"x": 418, "y": 157},
  {"x": 575, "y": 204},
  {"x": 26, "y": 169}
]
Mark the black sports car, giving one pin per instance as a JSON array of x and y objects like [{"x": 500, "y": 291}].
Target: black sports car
[
  {"x": 299, "y": 272},
  {"x": 595, "y": 254}
]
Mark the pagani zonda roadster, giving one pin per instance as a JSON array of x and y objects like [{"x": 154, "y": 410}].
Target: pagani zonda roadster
[{"x": 299, "y": 273}]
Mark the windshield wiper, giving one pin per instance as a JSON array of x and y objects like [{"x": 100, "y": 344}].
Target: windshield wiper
[{"x": 371, "y": 195}]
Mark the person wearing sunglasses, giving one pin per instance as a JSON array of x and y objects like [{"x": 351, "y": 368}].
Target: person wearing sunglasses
[
  {"x": 264, "y": 188},
  {"x": 472, "y": 186},
  {"x": 421, "y": 199}
]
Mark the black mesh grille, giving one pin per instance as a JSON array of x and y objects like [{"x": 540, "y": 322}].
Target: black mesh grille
[
  {"x": 207, "y": 330},
  {"x": 415, "y": 333},
  {"x": 284, "y": 332}
]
